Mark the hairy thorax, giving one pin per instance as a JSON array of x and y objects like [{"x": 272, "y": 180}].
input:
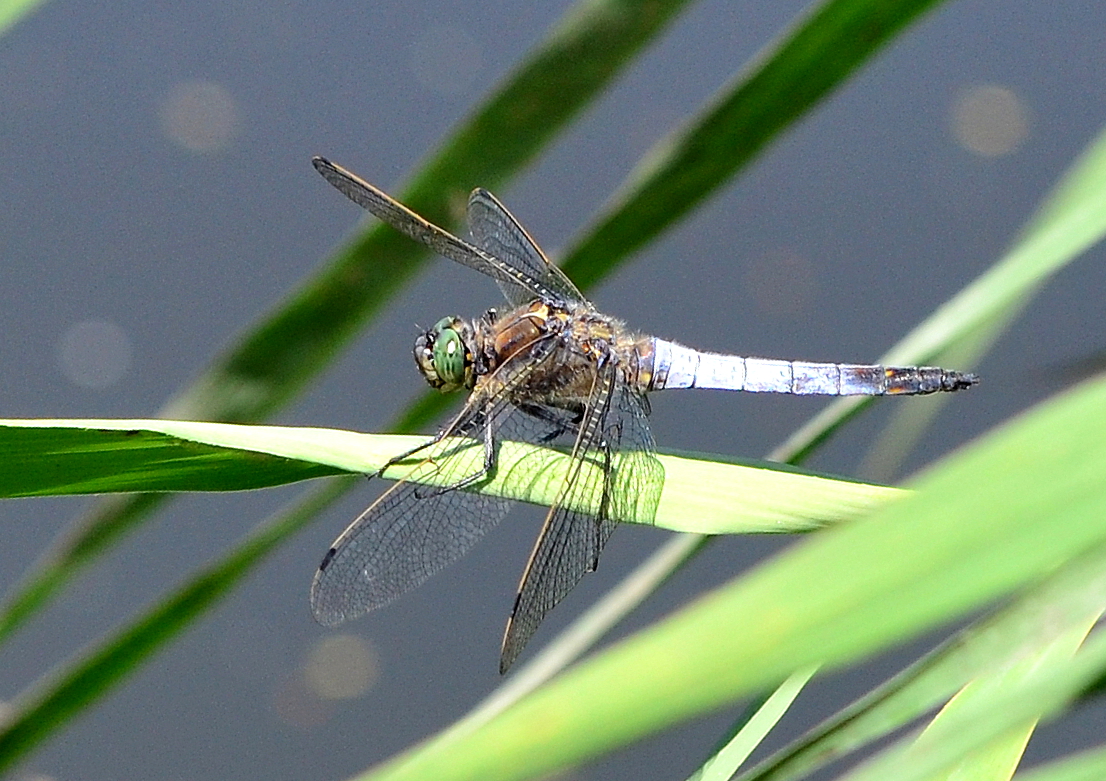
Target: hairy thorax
[{"x": 565, "y": 348}]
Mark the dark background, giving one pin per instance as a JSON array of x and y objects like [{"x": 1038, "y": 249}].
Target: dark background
[{"x": 158, "y": 198}]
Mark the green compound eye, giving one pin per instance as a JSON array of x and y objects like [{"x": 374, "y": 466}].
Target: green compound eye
[{"x": 449, "y": 357}]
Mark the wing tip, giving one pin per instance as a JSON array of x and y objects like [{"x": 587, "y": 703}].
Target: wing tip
[
  {"x": 510, "y": 648},
  {"x": 323, "y": 608},
  {"x": 325, "y": 612}
]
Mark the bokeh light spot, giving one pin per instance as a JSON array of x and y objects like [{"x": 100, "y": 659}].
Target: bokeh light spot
[
  {"x": 781, "y": 283},
  {"x": 990, "y": 120},
  {"x": 341, "y": 667},
  {"x": 94, "y": 354},
  {"x": 201, "y": 116}
]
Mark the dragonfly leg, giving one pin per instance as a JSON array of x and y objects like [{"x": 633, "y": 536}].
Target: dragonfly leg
[
  {"x": 559, "y": 424},
  {"x": 605, "y": 501},
  {"x": 486, "y": 472},
  {"x": 395, "y": 460}
]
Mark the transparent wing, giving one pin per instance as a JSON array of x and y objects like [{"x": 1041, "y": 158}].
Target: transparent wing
[
  {"x": 404, "y": 537},
  {"x": 614, "y": 475},
  {"x": 497, "y": 232},
  {"x": 413, "y": 530},
  {"x": 516, "y": 279}
]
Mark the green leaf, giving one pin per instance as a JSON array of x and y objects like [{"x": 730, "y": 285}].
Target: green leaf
[
  {"x": 997, "y": 760},
  {"x": 58, "y": 457},
  {"x": 989, "y": 720},
  {"x": 63, "y": 457},
  {"x": 724, "y": 763},
  {"x": 1015, "y": 633},
  {"x": 781, "y": 85},
  {"x": 11, "y": 11},
  {"x": 1085, "y": 766}
]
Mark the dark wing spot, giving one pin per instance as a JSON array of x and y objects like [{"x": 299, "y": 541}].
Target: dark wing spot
[{"x": 327, "y": 559}]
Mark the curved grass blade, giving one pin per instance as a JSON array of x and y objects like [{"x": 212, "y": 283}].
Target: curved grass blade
[
  {"x": 1088, "y": 765},
  {"x": 997, "y": 759},
  {"x": 11, "y": 11},
  {"x": 1070, "y": 220},
  {"x": 1015, "y": 632},
  {"x": 209, "y": 456},
  {"x": 995, "y": 518},
  {"x": 722, "y": 765},
  {"x": 781, "y": 85},
  {"x": 990, "y": 719},
  {"x": 72, "y": 457},
  {"x": 64, "y": 457}
]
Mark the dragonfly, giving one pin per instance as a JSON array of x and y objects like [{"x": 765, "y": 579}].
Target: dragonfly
[{"x": 549, "y": 370}]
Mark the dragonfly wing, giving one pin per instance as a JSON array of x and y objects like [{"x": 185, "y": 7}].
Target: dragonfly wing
[
  {"x": 407, "y": 222},
  {"x": 415, "y": 529},
  {"x": 614, "y": 475},
  {"x": 410, "y": 532},
  {"x": 498, "y": 233}
]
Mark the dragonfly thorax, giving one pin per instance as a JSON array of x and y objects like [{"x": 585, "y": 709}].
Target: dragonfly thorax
[{"x": 444, "y": 355}]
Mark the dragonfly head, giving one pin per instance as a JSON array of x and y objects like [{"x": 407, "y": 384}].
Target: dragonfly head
[{"x": 444, "y": 355}]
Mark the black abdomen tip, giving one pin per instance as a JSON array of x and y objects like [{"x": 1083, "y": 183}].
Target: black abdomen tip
[{"x": 954, "y": 381}]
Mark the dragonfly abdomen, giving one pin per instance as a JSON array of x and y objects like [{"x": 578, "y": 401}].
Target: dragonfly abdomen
[{"x": 676, "y": 366}]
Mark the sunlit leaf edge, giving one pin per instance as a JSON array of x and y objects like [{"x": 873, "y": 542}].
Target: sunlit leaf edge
[{"x": 700, "y": 495}]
